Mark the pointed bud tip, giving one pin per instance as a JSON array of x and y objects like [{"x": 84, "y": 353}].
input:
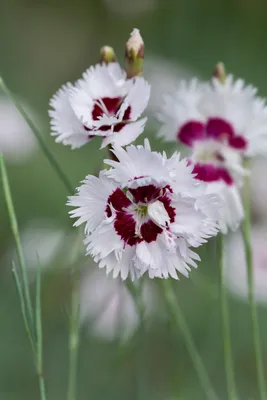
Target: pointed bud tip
[
  {"x": 107, "y": 54},
  {"x": 135, "y": 44},
  {"x": 219, "y": 72}
]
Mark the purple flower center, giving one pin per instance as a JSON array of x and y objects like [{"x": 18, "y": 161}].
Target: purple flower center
[{"x": 132, "y": 222}]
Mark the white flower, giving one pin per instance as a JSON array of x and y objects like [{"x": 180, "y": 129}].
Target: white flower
[
  {"x": 220, "y": 122},
  {"x": 103, "y": 103},
  {"x": 144, "y": 213},
  {"x": 236, "y": 270},
  {"x": 108, "y": 306},
  {"x": 16, "y": 139}
]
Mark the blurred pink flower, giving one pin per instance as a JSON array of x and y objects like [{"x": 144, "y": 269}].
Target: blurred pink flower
[
  {"x": 41, "y": 241},
  {"x": 236, "y": 273},
  {"x": 16, "y": 139},
  {"x": 108, "y": 308}
]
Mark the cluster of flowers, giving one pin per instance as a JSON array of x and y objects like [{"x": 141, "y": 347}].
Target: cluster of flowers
[{"x": 147, "y": 211}]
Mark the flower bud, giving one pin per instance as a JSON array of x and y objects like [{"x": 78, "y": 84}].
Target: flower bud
[
  {"x": 134, "y": 54},
  {"x": 107, "y": 55},
  {"x": 219, "y": 72}
]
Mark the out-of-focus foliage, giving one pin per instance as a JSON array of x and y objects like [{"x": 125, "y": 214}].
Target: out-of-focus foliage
[{"x": 43, "y": 45}]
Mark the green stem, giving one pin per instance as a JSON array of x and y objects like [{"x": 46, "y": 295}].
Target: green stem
[
  {"x": 39, "y": 336},
  {"x": 251, "y": 295},
  {"x": 181, "y": 325},
  {"x": 226, "y": 335},
  {"x": 23, "y": 288},
  {"x": 74, "y": 333},
  {"x": 23, "y": 308},
  {"x": 55, "y": 165},
  {"x": 15, "y": 231},
  {"x": 42, "y": 386},
  {"x": 74, "y": 340},
  {"x": 136, "y": 291}
]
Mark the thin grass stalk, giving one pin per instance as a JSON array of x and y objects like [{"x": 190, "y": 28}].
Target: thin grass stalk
[
  {"x": 136, "y": 292},
  {"x": 39, "y": 334},
  {"x": 226, "y": 335},
  {"x": 23, "y": 308},
  {"x": 33, "y": 331},
  {"x": 51, "y": 159},
  {"x": 15, "y": 231},
  {"x": 181, "y": 326},
  {"x": 74, "y": 322},
  {"x": 251, "y": 292}
]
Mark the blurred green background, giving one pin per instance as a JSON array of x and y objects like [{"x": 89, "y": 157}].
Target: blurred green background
[{"x": 43, "y": 45}]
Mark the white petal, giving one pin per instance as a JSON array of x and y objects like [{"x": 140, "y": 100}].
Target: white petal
[
  {"x": 158, "y": 214},
  {"x": 104, "y": 240},
  {"x": 98, "y": 82},
  {"x": 137, "y": 161},
  {"x": 231, "y": 211},
  {"x": 64, "y": 123},
  {"x": 128, "y": 134},
  {"x": 91, "y": 201},
  {"x": 180, "y": 107},
  {"x": 82, "y": 104},
  {"x": 138, "y": 97}
]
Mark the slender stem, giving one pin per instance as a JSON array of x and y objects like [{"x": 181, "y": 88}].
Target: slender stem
[
  {"x": 55, "y": 165},
  {"x": 74, "y": 339},
  {"x": 226, "y": 335},
  {"x": 180, "y": 323},
  {"x": 23, "y": 308},
  {"x": 136, "y": 291},
  {"x": 23, "y": 288},
  {"x": 15, "y": 231},
  {"x": 39, "y": 336},
  {"x": 251, "y": 295},
  {"x": 74, "y": 332}
]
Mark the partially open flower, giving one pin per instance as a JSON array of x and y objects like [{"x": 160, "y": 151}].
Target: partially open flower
[
  {"x": 144, "y": 213},
  {"x": 103, "y": 103}
]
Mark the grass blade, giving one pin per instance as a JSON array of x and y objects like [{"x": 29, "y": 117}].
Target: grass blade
[
  {"x": 15, "y": 231},
  {"x": 39, "y": 335},
  {"x": 181, "y": 326},
  {"x": 53, "y": 162},
  {"x": 23, "y": 308}
]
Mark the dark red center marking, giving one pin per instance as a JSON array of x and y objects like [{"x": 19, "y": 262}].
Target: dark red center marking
[
  {"x": 112, "y": 106},
  {"x": 125, "y": 223}
]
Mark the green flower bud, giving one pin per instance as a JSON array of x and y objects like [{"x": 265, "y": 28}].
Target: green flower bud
[{"x": 107, "y": 55}]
